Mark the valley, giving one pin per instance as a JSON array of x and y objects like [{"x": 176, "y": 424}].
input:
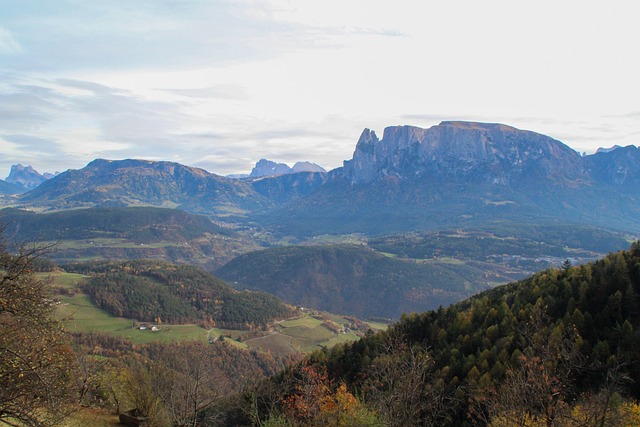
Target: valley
[
  {"x": 354, "y": 274},
  {"x": 422, "y": 264},
  {"x": 278, "y": 213}
]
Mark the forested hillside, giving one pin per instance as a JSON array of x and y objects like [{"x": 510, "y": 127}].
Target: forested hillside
[
  {"x": 9, "y": 188},
  {"x": 560, "y": 348},
  {"x": 354, "y": 279},
  {"x": 127, "y": 233},
  {"x": 139, "y": 224},
  {"x": 507, "y": 239},
  {"x": 159, "y": 292}
]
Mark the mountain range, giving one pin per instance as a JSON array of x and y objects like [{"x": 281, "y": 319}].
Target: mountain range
[
  {"x": 130, "y": 182},
  {"x": 455, "y": 172},
  {"x": 463, "y": 152},
  {"x": 463, "y": 174}
]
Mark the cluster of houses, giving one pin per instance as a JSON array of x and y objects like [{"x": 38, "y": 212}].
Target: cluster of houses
[{"x": 145, "y": 327}]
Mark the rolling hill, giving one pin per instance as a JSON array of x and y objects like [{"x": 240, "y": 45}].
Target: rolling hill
[
  {"x": 388, "y": 275},
  {"x": 523, "y": 247},
  {"x": 354, "y": 279},
  {"x": 127, "y": 233}
]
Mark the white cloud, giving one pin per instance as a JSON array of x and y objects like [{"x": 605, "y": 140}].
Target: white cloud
[
  {"x": 223, "y": 83},
  {"x": 8, "y": 44}
]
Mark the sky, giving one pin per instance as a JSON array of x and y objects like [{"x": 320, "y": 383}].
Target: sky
[{"x": 221, "y": 84}]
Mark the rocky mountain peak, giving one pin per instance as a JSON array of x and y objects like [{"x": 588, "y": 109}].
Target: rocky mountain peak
[
  {"x": 307, "y": 167},
  {"x": 363, "y": 165},
  {"x": 367, "y": 141},
  {"x": 266, "y": 167},
  {"x": 26, "y": 176},
  {"x": 458, "y": 151}
]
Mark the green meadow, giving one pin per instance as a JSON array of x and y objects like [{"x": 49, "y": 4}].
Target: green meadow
[{"x": 302, "y": 334}]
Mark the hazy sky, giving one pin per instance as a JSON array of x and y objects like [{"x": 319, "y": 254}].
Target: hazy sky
[{"x": 221, "y": 84}]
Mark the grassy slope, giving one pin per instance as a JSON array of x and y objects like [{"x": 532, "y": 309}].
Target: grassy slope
[
  {"x": 81, "y": 315},
  {"x": 305, "y": 334}
]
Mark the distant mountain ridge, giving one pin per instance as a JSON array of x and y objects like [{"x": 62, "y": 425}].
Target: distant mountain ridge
[
  {"x": 128, "y": 182},
  {"x": 607, "y": 150},
  {"x": 290, "y": 187},
  {"x": 452, "y": 174},
  {"x": 266, "y": 167},
  {"x": 133, "y": 182},
  {"x": 466, "y": 173},
  {"x": 493, "y": 153},
  {"x": 618, "y": 167},
  {"x": 462, "y": 152},
  {"x": 24, "y": 178}
]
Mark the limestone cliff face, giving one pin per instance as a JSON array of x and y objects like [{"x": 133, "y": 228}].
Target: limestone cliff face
[{"x": 462, "y": 152}]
